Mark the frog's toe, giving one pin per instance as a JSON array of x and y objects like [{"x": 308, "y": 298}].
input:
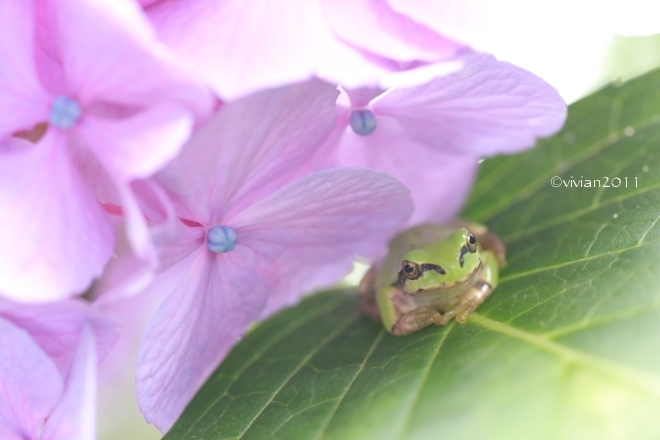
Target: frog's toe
[
  {"x": 462, "y": 317},
  {"x": 442, "y": 319}
]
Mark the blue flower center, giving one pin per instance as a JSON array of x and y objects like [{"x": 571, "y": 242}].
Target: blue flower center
[
  {"x": 221, "y": 239},
  {"x": 64, "y": 112},
  {"x": 363, "y": 122}
]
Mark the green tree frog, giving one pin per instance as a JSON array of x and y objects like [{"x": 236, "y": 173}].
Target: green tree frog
[{"x": 431, "y": 274}]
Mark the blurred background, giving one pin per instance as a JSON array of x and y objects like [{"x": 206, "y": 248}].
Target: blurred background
[{"x": 576, "y": 58}]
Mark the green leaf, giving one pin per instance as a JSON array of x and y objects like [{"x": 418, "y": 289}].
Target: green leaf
[{"x": 568, "y": 346}]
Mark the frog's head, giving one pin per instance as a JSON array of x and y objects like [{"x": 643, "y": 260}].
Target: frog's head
[{"x": 445, "y": 262}]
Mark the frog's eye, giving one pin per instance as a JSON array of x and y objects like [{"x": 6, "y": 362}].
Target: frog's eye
[
  {"x": 471, "y": 242},
  {"x": 410, "y": 269}
]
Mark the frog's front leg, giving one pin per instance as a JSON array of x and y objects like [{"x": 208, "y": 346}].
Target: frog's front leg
[
  {"x": 416, "y": 320},
  {"x": 392, "y": 303},
  {"x": 473, "y": 298}
]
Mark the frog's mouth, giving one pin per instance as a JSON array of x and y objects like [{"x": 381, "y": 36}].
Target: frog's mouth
[{"x": 443, "y": 287}]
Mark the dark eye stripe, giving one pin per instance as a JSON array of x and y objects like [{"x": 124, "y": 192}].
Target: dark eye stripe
[
  {"x": 464, "y": 250},
  {"x": 435, "y": 267}
]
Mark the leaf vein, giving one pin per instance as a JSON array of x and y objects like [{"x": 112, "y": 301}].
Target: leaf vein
[
  {"x": 642, "y": 380},
  {"x": 326, "y": 423},
  {"x": 302, "y": 363},
  {"x": 425, "y": 374}
]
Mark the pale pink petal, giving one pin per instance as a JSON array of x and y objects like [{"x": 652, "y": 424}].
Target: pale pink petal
[
  {"x": 74, "y": 418},
  {"x": 310, "y": 231},
  {"x": 439, "y": 181},
  {"x": 121, "y": 291},
  {"x": 92, "y": 171},
  {"x": 144, "y": 201},
  {"x": 110, "y": 53},
  {"x": 9, "y": 432},
  {"x": 24, "y": 102},
  {"x": 137, "y": 230},
  {"x": 117, "y": 404},
  {"x": 248, "y": 147},
  {"x": 486, "y": 108},
  {"x": 373, "y": 26},
  {"x": 137, "y": 147},
  {"x": 30, "y": 385},
  {"x": 195, "y": 327},
  {"x": 177, "y": 242},
  {"x": 268, "y": 43},
  {"x": 362, "y": 96},
  {"x": 154, "y": 202},
  {"x": 56, "y": 327},
  {"x": 55, "y": 236},
  {"x": 134, "y": 310},
  {"x": 542, "y": 37},
  {"x": 125, "y": 274}
]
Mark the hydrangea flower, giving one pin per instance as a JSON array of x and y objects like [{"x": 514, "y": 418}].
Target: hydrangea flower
[
  {"x": 431, "y": 136},
  {"x": 352, "y": 42},
  {"x": 48, "y": 369},
  {"x": 115, "y": 108},
  {"x": 252, "y": 237}
]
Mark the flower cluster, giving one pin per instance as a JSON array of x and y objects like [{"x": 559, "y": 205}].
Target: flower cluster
[{"x": 251, "y": 149}]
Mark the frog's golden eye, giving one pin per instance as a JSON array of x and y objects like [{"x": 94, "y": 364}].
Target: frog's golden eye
[
  {"x": 471, "y": 242},
  {"x": 410, "y": 269}
]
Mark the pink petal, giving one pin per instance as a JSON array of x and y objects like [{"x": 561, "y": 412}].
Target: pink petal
[
  {"x": 135, "y": 148},
  {"x": 127, "y": 289},
  {"x": 30, "y": 385},
  {"x": 533, "y": 42},
  {"x": 269, "y": 44},
  {"x": 57, "y": 327},
  {"x": 23, "y": 103},
  {"x": 116, "y": 381},
  {"x": 138, "y": 146},
  {"x": 471, "y": 21},
  {"x": 92, "y": 171},
  {"x": 75, "y": 416},
  {"x": 310, "y": 231},
  {"x": 177, "y": 242},
  {"x": 193, "y": 330},
  {"x": 439, "y": 181},
  {"x": 362, "y": 96},
  {"x": 125, "y": 274},
  {"x": 137, "y": 230},
  {"x": 248, "y": 148},
  {"x": 134, "y": 309},
  {"x": 110, "y": 53},
  {"x": 489, "y": 107},
  {"x": 373, "y": 26},
  {"x": 55, "y": 236}
]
